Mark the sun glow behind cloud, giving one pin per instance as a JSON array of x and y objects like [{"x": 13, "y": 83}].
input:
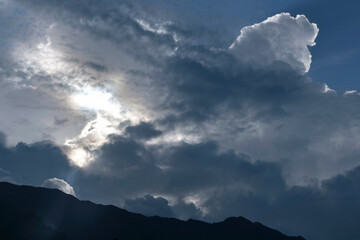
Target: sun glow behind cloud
[
  {"x": 48, "y": 57},
  {"x": 87, "y": 92},
  {"x": 96, "y": 100},
  {"x": 110, "y": 113},
  {"x": 79, "y": 156},
  {"x": 94, "y": 134}
]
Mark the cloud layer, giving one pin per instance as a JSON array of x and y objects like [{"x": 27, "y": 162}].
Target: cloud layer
[{"x": 165, "y": 119}]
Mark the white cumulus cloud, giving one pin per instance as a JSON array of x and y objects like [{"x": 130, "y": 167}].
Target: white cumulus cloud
[
  {"x": 278, "y": 38},
  {"x": 59, "y": 184},
  {"x": 349, "y": 92}
]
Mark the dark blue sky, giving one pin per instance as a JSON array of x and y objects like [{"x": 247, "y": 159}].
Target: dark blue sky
[{"x": 336, "y": 57}]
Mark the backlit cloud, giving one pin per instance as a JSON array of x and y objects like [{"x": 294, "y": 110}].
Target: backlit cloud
[
  {"x": 278, "y": 38},
  {"x": 162, "y": 118},
  {"x": 59, "y": 184}
]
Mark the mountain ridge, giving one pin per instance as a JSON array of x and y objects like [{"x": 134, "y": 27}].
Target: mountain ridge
[{"x": 52, "y": 214}]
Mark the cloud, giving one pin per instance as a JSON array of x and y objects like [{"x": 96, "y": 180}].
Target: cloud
[
  {"x": 33, "y": 163},
  {"x": 159, "y": 206},
  {"x": 198, "y": 167},
  {"x": 327, "y": 89},
  {"x": 142, "y": 131},
  {"x": 149, "y": 206},
  {"x": 327, "y": 211},
  {"x": 278, "y": 38},
  {"x": 5, "y": 176},
  {"x": 175, "y": 125},
  {"x": 59, "y": 184},
  {"x": 96, "y": 67},
  {"x": 196, "y": 181},
  {"x": 349, "y": 92},
  {"x": 2, "y": 139},
  {"x": 186, "y": 211}
]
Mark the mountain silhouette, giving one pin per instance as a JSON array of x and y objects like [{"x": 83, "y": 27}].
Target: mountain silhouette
[{"x": 39, "y": 213}]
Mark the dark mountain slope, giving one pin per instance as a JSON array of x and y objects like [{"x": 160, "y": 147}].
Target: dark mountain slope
[
  {"x": 16, "y": 223},
  {"x": 40, "y": 213}
]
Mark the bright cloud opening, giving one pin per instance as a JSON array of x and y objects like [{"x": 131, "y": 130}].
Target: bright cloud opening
[
  {"x": 96, "y": 100},
  {"x": 79, "y": 157}
]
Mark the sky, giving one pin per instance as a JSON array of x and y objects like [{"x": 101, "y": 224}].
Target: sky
[{"x": 188, "y": 109}]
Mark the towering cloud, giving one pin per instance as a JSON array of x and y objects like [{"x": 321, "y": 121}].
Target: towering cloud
[{"x": 278, "y": 38}]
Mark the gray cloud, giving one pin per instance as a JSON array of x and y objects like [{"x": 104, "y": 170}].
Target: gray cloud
[
  {"x": 34, "y": 163},
  {"x": 159, "y": 206},
  {"x": 205, "y": 184},
  {"x": 5, "y": 176},
  {"x": 202, "y": 183},
  {"x": 96, "y": 67},
  {"x": 326, "y": 212},
  {"x": 150, "y": 206},
  {"x": 142, "y": 131}
]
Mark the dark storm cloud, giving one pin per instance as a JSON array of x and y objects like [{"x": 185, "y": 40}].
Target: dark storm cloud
[
  {"x": 197, "y": 167},
  {"x": 34, "y": 163},
  {"x": 150, "y": 206},
  {"x": 227, "y": 184},
  {"x": 288, "y": 104},
  {"x": 327, "y": 212},
  {"x": 230, "y": 184},
  {"x": 182, "y": 170},
  {"x": 122, "y": 156},
  {"x": 186, "y": 211},
  {"x": 125, "y": 169},
  {"x": 256, "y": 191},
  {"x": 114, "y": 175},
  {"x": 201, "y": 89},
  {"x": 158, "y": 206},
  {"x": 142, "y": 131}
]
